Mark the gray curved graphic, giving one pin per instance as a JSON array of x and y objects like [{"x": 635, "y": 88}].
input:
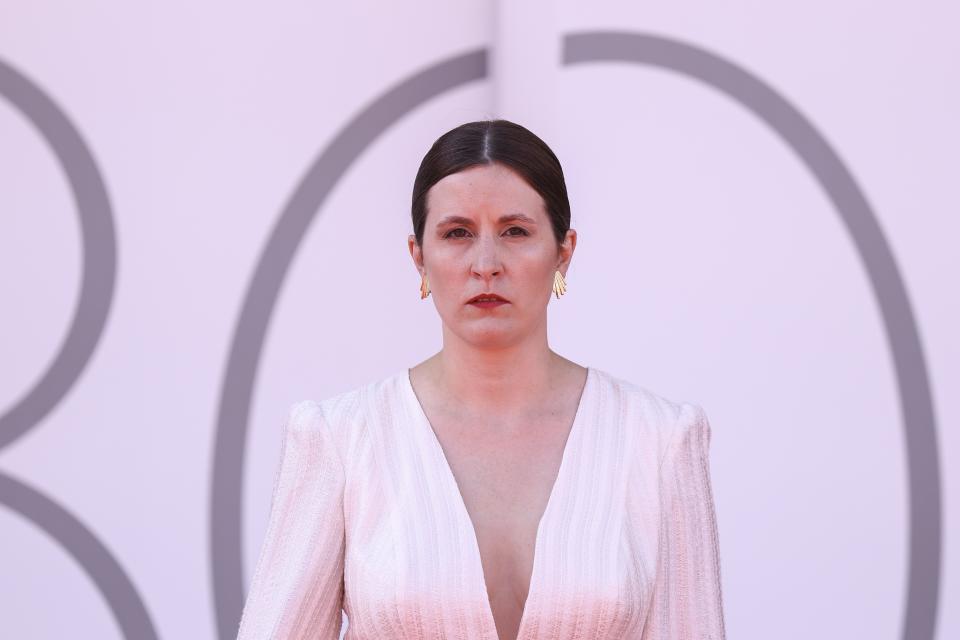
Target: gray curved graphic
[
  {"x": 903, "y": 335},
  {"x": 96, "y": 293},
  {"x": 92, "y": 556},
  {"x": 246, "y": 346},
  {"x": 99, "y": 254}
]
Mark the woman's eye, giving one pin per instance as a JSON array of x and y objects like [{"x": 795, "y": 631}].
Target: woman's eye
[{"x": 453, "y": 233}]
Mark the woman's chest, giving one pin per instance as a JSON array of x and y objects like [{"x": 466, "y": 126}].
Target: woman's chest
[
  {"x": 505, "y": 491},
  {"x": 437, "y": 550}
]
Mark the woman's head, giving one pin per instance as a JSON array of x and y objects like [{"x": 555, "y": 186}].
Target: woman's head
[{"x": 491, "y": 215}]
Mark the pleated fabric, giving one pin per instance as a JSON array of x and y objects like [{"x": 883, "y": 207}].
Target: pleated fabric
[{"x": 366, "y": 519}]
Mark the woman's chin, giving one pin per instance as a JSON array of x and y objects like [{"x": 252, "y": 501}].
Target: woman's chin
[{"x": 489, "y": 333}]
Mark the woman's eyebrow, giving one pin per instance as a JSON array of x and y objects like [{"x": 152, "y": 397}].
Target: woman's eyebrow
[{"x": 510, "y": 217}]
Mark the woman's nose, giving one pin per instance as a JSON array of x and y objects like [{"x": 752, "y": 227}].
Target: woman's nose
[{"x": 487, "y": 258}]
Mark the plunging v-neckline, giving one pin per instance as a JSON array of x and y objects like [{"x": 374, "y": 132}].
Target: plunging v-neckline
[{"x": 451, "y": 481}]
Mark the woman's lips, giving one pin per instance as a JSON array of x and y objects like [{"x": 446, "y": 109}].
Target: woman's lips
[{"x": 488, "y": 304}]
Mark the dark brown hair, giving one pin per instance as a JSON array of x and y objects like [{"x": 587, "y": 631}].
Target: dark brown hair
[{"x": 488, "y": 142}]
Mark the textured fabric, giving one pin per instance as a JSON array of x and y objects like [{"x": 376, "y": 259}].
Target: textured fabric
[{"x": 367, "y": 517}]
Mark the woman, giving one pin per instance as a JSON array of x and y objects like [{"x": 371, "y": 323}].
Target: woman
[{"x": 497, "y": 489}]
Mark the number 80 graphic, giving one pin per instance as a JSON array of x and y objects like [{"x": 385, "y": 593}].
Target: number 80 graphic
[{"x": 99, "y": 269}]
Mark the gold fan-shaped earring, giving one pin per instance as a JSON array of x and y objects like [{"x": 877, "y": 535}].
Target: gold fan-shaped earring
[
  {"x": 424, "y": 287},
  {"x": 559, "y": 284}
]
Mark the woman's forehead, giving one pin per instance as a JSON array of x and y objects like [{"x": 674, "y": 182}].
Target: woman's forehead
[{"x": 486, "y": 191}]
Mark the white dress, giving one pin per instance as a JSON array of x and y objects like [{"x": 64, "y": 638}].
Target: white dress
[{"x": 367, "y": 517}]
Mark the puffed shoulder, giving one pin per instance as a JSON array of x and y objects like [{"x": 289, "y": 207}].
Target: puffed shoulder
[
  {"x": 690, "y": 433},
  {"x": 307, "y": 427},
  {"x": 672, "y": 423},
  {"x": 305, "y": 415}
]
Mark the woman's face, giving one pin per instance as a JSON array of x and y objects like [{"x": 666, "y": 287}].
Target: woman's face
[{"x": 488, "y": 231}]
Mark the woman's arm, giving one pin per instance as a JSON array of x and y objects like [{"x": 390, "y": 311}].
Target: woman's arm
[
  {"x": 297, "y": 588},
  {"x": 687, "y": 603}
]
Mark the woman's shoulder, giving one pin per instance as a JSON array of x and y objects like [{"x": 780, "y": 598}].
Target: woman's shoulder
[
  {"x": 351, "y": 407},
  {"x": 640, "y": 404}
]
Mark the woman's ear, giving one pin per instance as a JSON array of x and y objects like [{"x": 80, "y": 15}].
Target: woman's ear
[
  {"x": 567, "y": 248},
  {"x": 415, "y": 252}
]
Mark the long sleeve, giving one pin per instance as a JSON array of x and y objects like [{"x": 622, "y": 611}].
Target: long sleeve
[
  {"x": 687, "y": 603},
  {"x": 297, "y": 587}
]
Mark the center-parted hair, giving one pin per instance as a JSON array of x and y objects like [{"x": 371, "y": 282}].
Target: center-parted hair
[{"x": 488, "y": 142}]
